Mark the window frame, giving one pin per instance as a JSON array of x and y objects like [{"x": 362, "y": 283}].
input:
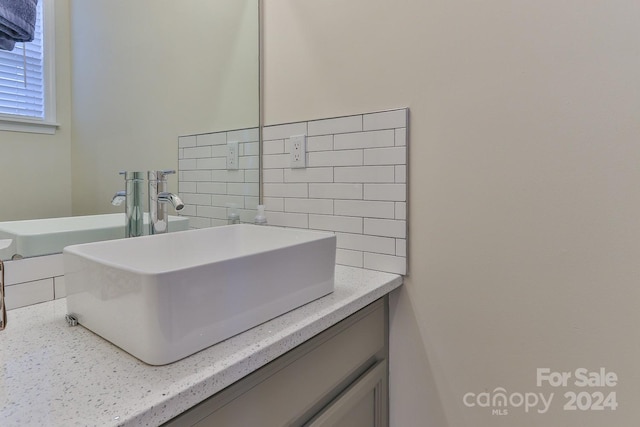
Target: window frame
[{"x": 48, "y": 125}]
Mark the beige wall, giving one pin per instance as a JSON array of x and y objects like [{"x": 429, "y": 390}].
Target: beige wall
[
  {"x": 145, "y": 72},
  {"x": 35, "y": 169},
  {"x": 524, "y": 174}
]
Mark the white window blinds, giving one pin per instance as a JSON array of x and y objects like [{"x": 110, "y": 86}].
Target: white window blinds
[{"x": 22, "y": 77}]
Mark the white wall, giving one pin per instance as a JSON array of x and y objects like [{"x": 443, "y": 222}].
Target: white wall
[
  {"x": 35, "y": 169},
  {"x": 524, "y": 172},
  {"x": 146, "y": 72}
]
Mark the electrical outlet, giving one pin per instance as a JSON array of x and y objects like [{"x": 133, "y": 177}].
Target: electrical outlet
[
  {"x": 232, "y": 155},
  {"x": 298, "y": 151}
]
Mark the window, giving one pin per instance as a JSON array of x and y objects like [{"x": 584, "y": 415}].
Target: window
[{"x": 26, "y": 92}]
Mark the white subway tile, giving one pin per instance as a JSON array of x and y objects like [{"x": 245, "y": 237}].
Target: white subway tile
[
  {"x": 385, "y": 120},
  {"x": 215, "y": 222},
  {"x": 273, "y": 175},
  {"x": 386, "y": 192},
  {"x": 212, "y": 212},
  {"x": 219, "y": 151},
  {"x": 284, "y": 131},
  {"x": 273, "y": 147},
  {"x": 188, "y": 211},
  {"x": 376, "y": 139},
  {"x": 276, "y": 161},
  {"x": 401, "y": 210},
  {"x": 227, "y": 175},
  {"x": 211, "y": 187},
  {"x": 28, "y": 293},
  {"x": 401, "y": 173},
  {"x": 218, "y": 138},
  {"x": 187, "y": 164},
  {"x": 385, "y": 156},
  {"x": 249, "y": 162},
  {"x": 284, "y": 219},
  {"x": 365, "y": 209},
  {"x": 308, "y": 175},
  {"x": 335, "y": 126},
  {"x": 335, "y": 158},
  {"x": 364, "y": 174},
  {"x": 335, "y": 191},
  {"x": 187, "y": 141},
  {"x": 243, "y": 188},
  {"x": 212, "y": 163},
  {"x": 320, "y": 143},
  {"x": 346, "y": 224},
  {"x": 250, "y": 149},
  {"x": 244, "y": 135},
  {"x": 223, "y": 201},
  {"x": 252, "y": 175},
  {"x": 347, "y": 257},
  {"x": 401, "y": 247},
  {"x": 286, "y": 190},
  {"x": 199, "y": 222},
  {"x": 315, "y": 206},
  {"x": 387, "y": 263},
  {"x": 385, "y": 227},
  {"x": 251, "y": 202},
  {"x": 187, "y": 187},
  {"x": 197, "y": 152},
  {"x": 197, "y": 199},
  {"x": 247, "y": 215},
  {"x": 274, "y": 204},
  {"x": 180, "y": 153},
  {"x": 361, "y": 242},
  {"x": 59, "y": 287},
  {"x": 401, "y": 137}
]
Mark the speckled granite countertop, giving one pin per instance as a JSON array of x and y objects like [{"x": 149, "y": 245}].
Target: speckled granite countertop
[{"x": 55, "y": 375}]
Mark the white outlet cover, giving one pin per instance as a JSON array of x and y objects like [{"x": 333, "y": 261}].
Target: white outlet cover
[
  {"x": 232, "y": 155},
  {"x": 298, "y": 151}
]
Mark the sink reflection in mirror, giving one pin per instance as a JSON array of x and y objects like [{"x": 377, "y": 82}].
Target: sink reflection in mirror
[
  {"x": 38, "y": 237},
  {"x": 207, "y": 82}
]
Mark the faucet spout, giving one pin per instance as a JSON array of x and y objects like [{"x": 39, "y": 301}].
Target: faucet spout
[
  {"x": 175, "y": 201},
  {"x": 119, "y": 198}
]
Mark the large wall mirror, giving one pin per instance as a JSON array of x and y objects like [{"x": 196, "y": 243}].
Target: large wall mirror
[{"x": 142, "y": 74}]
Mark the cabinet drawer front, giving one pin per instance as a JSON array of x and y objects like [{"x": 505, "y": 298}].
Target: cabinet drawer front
[
  {"x": 361, "y": 405},
  {"x": 289, "y": 390}
]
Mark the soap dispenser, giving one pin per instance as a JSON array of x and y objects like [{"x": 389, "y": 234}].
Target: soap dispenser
[
  {"x": 260, "y": 218},
  {"x": 232, "y": 216}
]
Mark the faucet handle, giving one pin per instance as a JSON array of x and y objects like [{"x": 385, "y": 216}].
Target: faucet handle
[{"x": 160, "y": 175}]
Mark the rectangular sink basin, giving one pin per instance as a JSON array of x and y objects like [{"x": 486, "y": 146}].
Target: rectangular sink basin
[
  {"x": 35, "y": 237},
  {"x": 164, "y": 297}
]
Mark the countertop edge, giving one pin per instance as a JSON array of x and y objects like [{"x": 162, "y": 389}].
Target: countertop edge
[{"x": 60, "y": 375}]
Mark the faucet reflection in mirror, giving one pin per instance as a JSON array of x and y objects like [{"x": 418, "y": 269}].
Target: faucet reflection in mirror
[
  {"x": 159, "y": 197},
  {"x": 133, "y": 197}
]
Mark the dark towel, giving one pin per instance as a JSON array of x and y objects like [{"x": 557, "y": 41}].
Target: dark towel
[{"x": 17, "y": 22}]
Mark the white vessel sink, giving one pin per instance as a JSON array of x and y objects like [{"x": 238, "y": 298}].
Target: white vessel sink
[
  {"x": 46, "y": 236},
  {"x": 164, "y": 297}
]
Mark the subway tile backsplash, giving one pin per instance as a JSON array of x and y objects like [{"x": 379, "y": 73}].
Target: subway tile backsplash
[
  {"x": 205, "y": 184},
  {"x": 355, "y": 185}
]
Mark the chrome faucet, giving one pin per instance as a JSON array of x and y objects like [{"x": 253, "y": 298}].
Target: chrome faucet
[
  {"x": 159, "y": 197},
  {"x": 133, "y": 197}
]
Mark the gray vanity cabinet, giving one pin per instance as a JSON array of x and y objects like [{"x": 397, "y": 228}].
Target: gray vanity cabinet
[{"x": 338, "y": 378}]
